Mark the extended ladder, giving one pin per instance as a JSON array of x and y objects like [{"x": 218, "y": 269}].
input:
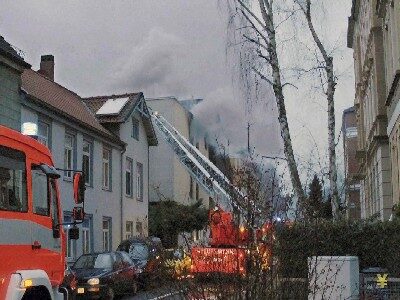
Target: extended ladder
[{"x": 201, "y": 168}]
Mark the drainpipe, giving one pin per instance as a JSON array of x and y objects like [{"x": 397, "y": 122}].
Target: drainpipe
[
  {"x": 148, "y": 186},
  {"x": 122, "y": 192}
]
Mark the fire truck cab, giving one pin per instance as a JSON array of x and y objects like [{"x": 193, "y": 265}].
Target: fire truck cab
[{"x": 32, "y": 242}]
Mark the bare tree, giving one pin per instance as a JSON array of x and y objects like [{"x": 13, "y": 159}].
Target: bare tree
[
  {"x": 263, "y": 36},
  {"x": 327, "y": 65}
]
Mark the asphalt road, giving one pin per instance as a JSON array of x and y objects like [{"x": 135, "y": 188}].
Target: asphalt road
[{"x": 157, "y": 294}]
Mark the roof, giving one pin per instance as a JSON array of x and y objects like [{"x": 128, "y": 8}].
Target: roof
[
  {"x": 134, "y": 101},
  {"x": 63, "y": 101},
  {"x": 349, "y": 110},
  {"x": 8, "y": 51}
]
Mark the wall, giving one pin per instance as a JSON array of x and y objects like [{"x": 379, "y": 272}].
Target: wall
[
  {"x": 168, "y": 178},
  {"x": 373, "y": 142},
  {"x": 10, "y": 101},
  {"x": 134, "y": 210}
]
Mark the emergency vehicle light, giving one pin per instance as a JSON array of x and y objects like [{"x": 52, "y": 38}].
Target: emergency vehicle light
[{"x": 29, "y": 128}]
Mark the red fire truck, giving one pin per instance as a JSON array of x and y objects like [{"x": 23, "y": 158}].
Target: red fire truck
[
  {"x": 228, "y": 252},
  {"x": 32, "y": 242}
]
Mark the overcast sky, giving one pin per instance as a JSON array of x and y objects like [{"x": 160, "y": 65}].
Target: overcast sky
[{"x": 173, "y": 48}]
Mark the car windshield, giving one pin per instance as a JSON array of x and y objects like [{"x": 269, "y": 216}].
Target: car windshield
[
  {"x": 94, "y": 261},
  {"x": 139, "y": 251}
]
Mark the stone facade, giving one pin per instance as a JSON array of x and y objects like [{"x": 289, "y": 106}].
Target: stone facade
[
  {"x": 389, "y": 13},
  {"x": 366, "y": 36},
  {"x": 351, "y": 165}
]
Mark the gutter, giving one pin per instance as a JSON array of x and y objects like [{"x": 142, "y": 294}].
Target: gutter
[{"x": 122, "y": 193}]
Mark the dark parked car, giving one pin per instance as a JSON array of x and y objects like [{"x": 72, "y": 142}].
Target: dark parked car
[
  {"x": 146, "y": 254},
  {"x": 105, "y": 275}
]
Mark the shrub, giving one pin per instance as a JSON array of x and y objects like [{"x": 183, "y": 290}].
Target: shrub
[{"x": 375, "y": 243}]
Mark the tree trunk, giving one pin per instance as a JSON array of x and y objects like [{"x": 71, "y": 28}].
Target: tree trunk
[
  {"x": 330, "y": 93},
  {"x": 267, "y": 14}
]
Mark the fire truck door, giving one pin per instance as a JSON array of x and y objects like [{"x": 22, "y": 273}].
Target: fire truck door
[{"x": 46, "y": 247}]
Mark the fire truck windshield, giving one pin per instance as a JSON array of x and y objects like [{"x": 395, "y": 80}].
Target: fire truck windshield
[{"x": 12, "y": 180}]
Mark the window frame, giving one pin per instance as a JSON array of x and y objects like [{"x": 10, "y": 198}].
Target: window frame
[
  {"x": 108, "y": 186},
  {"x": 139, "y": 182},
  {"x": 89, "y": 176},
  {"x": 68, "y": 175},
  {"x": 48, "y": 137},
  {"x": 48, "y": 214},
  {"x": 24, "y": 190},
  {"x": 129, "y": 161},
  {"x": 109, "y": 231},
  {"x": 70, "y": 245},
  {"x": 86, "y": 243},
  {"x": 128, "y": 234},
  {"x": 135, "y": 128},
  {"x": 139, "y": 232}
]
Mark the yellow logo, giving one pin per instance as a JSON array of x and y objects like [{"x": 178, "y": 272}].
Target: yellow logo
[{"x": 381, "y": 280}]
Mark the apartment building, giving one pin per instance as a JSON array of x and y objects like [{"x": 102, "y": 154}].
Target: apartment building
[
  {"x": 168, "y": 178},
  {"x": 366, "y": 38},
  {"x": 109, "y": 146},
  {"x": 389, "y": 14},
  {"x": 351, "y": 165},
  {"x": 128, "y": 118}
]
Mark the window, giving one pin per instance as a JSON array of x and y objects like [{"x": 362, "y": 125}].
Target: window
[
  {"x": 139, "y": 228},
  {"x": 12, "y": 180},
  {"x": 135, "y": 129},
  {"x": 86, "y": 161},
  {"x": 86, "y": 232},
  {"x": 39, "y": 193},
  {"x": 106, "y": 169},
  {"x": 71, "y": 244},
  {"x": 106, "y": 234},
  {"x": 139, "y": 181},
  {"x": 69, "y": 146},
  {"x": 128, "y": 177},
  {"x": 129, "y": 229},
  {"x": 197, "y": 191},
  {"x": 44, "y": 133},
  {"x": 351, "y": 132}
]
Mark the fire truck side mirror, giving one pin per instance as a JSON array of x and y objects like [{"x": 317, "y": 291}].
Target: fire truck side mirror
[
  {"x": 78, "y": 214},
  {"x": 73, "y": 233},
  {"x": 79, "y": 188}
]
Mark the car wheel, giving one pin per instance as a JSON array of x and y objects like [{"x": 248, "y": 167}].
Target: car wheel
[
  {"x": 134, "y": 288},
  {"x": 110, "y": 294}
]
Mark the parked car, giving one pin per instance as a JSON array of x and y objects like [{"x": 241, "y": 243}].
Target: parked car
[
  {"x": 146, "y": 254},
  {"x": 105, "y": 275}
]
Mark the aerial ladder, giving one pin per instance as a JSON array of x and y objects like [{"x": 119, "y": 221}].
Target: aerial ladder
[{"x": 214, "y": 182}]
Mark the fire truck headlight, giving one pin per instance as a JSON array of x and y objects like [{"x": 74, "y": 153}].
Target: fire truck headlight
[
  {"x": 27, "y": 283},
  {"x": 93, "y": 281}
]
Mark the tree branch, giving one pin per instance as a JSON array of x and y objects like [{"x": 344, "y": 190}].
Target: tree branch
[{"x": 262, "y": 76}]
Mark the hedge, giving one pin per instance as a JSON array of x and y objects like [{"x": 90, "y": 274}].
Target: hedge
[{"x": 376, "y": 244}]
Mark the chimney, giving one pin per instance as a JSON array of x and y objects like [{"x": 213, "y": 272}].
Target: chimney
[{"x": 47, "y": 66}]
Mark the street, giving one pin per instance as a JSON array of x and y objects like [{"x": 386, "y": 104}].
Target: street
[{"x": 156, "y": 294}]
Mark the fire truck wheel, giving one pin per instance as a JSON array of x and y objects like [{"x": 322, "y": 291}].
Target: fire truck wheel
[{"x": 36, "y": 293}]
